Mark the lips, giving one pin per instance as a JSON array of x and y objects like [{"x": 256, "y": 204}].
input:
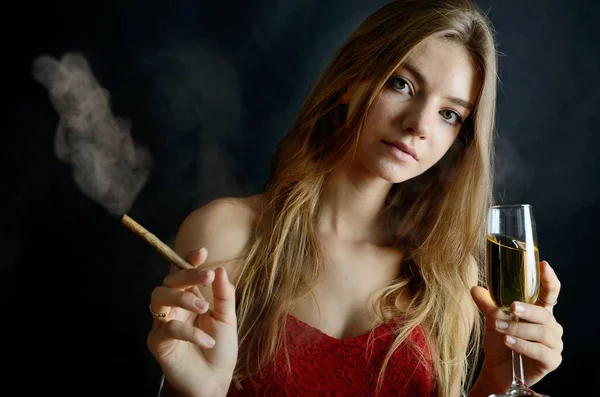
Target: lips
[{"x": 403, "y": 147}]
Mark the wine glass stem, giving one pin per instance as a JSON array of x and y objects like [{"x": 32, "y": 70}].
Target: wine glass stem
[{"x": 517, "y": 365}]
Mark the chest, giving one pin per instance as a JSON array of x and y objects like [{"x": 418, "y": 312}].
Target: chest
[{"x": 341, "y": 303}]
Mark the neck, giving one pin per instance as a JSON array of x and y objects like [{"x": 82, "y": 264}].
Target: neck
[{"x": 351, "y": 201}]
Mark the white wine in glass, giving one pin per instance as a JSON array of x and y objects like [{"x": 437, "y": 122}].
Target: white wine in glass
[{"x": 513, "y": 271}]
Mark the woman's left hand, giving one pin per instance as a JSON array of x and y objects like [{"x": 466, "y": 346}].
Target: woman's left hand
[{"x": 538, "y": 338}]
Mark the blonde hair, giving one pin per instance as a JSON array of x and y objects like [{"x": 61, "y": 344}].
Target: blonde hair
[{"x": 437, "y": 217}]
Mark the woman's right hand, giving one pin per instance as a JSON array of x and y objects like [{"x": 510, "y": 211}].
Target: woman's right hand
[{"x": 180, "y": 341}]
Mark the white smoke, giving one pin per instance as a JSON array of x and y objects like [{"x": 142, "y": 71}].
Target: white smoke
[{"x": 108, "y": 166}]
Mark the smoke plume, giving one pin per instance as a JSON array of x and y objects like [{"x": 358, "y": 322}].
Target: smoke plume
[{"x": 108, "y": 166}]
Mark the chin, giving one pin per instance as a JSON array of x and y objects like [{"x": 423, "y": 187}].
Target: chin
[{"x": 393, "y": 174}]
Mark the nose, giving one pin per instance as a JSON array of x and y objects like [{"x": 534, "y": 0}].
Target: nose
[{"x": 418, "y": 120}]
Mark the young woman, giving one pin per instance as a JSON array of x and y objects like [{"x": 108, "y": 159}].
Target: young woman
[{"x": 357, "y": 270}]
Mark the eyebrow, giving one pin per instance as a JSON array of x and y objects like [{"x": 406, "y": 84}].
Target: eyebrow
[{"x": 414, "y": 71}]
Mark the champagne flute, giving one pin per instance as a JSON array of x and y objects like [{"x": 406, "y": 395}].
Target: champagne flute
[{"x": 513, "y": 271}]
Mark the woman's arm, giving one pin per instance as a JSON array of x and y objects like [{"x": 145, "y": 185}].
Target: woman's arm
[{"x": 224, "y": 227}]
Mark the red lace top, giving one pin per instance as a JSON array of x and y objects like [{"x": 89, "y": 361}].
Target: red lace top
[{"x": 325, "y": 366}]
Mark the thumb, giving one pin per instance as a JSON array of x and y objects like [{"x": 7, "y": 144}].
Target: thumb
[
  {"x": 223, "y": 297},
  {"x": 486, "y": 305}
]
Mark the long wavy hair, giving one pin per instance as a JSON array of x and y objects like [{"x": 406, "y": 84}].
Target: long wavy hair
[{"x": 436, "y": 218}]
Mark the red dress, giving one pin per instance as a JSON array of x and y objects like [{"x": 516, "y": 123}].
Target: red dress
[{"x": 325, "y": 366}]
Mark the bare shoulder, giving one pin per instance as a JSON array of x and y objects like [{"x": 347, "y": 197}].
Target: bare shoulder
[{"x": 225, "y": 227}]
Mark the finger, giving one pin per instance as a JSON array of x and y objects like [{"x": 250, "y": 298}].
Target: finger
[
  {"x": 187, "y": 278},
  {"x": 486, "y": 305},
  {"x": 196, "y": 291},
  {"x": 178, "y": 330},
  {"x": 550, "y": 287},
  {"x": 530, "y": 332},
  {"x": 194, "y": 257},
  {"x": 537, "y": 315},
  {"x": 224, "y": 297},
  {"x": 160, "y": 315},
  {"x": 163, "y": 298},
  {"x": 548, "y": 358}
]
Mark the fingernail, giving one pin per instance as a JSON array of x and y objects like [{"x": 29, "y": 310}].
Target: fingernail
[
  {"x": 510, "y": 340},
  {"x": 200, "y": 304},
  {"x": 501, "y": 324},
  {"x": 210, "y": 342},
  {"x": 519, "y": 308}
]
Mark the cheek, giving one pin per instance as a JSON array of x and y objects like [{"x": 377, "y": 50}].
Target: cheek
[
  {"x": 371, "y": 131},
  {"x": 381, "y": 114},
  {"x": 441, "y": 148},
  {"x": 366, "y": 145}
]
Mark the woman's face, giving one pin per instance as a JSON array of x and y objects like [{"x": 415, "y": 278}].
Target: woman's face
[{"x": 419, "y": 112}]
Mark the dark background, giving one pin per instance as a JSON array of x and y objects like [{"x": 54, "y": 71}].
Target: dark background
[{"x": 211, "y": 87}]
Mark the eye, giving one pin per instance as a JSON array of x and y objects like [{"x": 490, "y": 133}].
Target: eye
[
  {"x": 451, "y": 117},
  {"x": 399, "y": 84}
]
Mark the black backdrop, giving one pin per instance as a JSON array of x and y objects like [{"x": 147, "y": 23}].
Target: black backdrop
[{"x": 210, "y": 88}]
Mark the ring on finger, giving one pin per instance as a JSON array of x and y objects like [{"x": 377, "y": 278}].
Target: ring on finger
[{"x": 159, "y": 315}]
